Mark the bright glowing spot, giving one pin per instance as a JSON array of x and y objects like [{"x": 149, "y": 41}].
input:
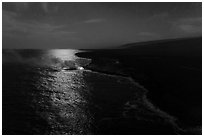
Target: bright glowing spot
[{"x": 80, "y": 68}]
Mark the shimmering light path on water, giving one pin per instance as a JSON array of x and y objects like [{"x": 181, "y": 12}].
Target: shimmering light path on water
[{"x": 67, "y": 97}]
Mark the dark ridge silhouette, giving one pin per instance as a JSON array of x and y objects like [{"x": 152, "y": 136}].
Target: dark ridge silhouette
[
  {"x": 161, "y": 41},
  {"x": 181, "y": 47}
]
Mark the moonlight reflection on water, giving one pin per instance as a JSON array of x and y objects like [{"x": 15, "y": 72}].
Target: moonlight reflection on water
[
  {"x": 68, "y": 103},
  {"x": 63, "y": 54},
  {"x": 67, "y": 99}
]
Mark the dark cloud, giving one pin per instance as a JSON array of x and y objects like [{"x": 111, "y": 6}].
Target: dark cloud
[
  {"x": 11, "y": 24},
  {"x": 191, "y": 25},
  {"x": 148, "y": 34},
  {"x": 94, "y": 20}
]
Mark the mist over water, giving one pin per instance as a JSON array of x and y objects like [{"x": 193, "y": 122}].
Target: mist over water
[{"x": 57, "y": 58}]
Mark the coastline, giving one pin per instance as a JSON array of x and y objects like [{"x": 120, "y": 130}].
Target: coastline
[{"x": 118, "y": 63}]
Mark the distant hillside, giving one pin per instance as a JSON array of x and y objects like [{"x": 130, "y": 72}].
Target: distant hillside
[{"x": 184, "y": 46}]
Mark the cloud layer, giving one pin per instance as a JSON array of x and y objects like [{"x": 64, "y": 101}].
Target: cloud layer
[{"x": 95, "y": 25}]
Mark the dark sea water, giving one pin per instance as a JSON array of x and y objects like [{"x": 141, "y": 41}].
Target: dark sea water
[{"x": 50, "y": 92}]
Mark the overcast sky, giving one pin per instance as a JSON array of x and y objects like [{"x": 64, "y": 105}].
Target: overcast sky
[{"x": 96, "y": 25}]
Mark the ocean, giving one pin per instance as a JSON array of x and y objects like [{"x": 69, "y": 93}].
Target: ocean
[{"x": 50, "y": 92}]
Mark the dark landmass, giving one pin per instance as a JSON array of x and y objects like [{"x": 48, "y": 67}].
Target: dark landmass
[{"x": 171, "y": 71}]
